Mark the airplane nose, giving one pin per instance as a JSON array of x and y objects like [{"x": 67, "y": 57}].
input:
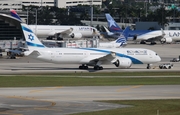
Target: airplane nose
[{"x": 158, "y": 58}]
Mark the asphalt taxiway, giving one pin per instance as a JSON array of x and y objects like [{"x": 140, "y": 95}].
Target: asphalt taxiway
[{"x": 67, "y": 100}]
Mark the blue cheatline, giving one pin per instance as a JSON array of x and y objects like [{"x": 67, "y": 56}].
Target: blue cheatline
[
  {"x": 134, "y": 60},
  {"x": 27, "y": 29}
]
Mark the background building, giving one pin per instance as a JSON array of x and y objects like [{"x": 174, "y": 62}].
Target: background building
[
  {"x": 67, "y": 3},
  {"x": 17, "y": 4},
  {"x": 11, "y": 4}
]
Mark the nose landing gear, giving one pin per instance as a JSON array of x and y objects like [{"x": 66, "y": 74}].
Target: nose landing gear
[{"x": 148, "y": 66}]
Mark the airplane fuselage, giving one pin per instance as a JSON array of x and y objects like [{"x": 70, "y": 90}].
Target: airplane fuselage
[
  {"x": 173, "y": 34},
  {"x": 51, "y": 30},
  {"x": 84, "y": 55},
  {"x": 108, "y": 45}
]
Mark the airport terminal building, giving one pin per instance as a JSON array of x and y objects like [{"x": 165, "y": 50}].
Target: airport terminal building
[{"x": 17, "y": 4}]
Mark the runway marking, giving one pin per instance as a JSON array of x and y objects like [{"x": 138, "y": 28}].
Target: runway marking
[
  {"x": 44, "y": 108},
  {"x": 45, "y": 89},
  {"x": 32, "y": 99},
  {"x": 9, "y": 113},
  {"x": 129, "y": 88}
]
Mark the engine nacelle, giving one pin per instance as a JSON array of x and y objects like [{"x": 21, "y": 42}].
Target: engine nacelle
[
  {"x": 122, "y": 62},
  {"x": 76, "y": 35},
  {"x": 166, "y": 40}
]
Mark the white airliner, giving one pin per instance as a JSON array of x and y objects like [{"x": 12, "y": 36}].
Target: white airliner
[
  {"x": 62, "y": 31},
  {"x": 164, "y": 36},
  {"x": 120, "y": 57},
  {"x": 120, "y": 42}
]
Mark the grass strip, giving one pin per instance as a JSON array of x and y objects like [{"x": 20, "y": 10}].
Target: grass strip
[
  {"x": 142, "y": 107},
  {"x": 48, "y": 81}
]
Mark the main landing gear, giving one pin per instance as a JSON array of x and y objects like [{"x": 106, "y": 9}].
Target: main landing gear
[
  {"x": 96, "y": 67},
  {"x": 153, "y": 43},
  {"x": 83, "y": 66}
]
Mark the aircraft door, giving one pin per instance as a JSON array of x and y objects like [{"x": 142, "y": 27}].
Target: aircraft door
[
  {"x": 150, "y": 55},
  {"x": 52, "y": 55},
  {"x": 86, "y": 54}
]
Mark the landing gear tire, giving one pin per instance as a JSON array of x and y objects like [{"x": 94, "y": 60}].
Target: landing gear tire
[
  {"x": 49, "y": 38},
  {"x": 83, "y": 67},
  {"x": 98, "y": 67},
  {"x": 59, "y": 38},
  {"x": 142, "y": 42},
  {"x": 153, "y": 43}
]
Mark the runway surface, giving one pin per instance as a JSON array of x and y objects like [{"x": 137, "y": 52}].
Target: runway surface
[{"x": 66, "y": 100}]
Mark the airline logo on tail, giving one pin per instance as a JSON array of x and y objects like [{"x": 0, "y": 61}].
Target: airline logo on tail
[
  {"x": 31, "y": 37},
  {"x": 112, "y": 24},
  {"x": 122, "y": 40},
  {"x": 15, "y": 15}
]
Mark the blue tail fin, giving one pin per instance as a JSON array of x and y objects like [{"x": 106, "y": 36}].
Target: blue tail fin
[
  {"x": 113, "y": 26},
  {"x": 15, "y": 15},
  {"x": 125, "y": 32},
  {"x": 122, "y": 39},
  {"x": 32, "y": 41}
]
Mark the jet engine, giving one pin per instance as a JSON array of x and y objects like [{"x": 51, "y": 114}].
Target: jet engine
[
  {"x": 122, "y": 62},
  {"x": 76, "y": 35},
  {"x": 166, "y": 40}
]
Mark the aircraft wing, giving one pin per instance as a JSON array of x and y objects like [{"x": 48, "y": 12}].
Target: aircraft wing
[
  {"x": 154, "y": 38},
  {"x": 65, "y": 32},
  {"x": 104, "y": 58}
]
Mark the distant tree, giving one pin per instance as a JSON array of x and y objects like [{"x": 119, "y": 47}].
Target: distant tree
[{"x": 47, "y": 15}]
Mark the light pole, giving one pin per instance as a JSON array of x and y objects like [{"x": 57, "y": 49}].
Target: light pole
[
  {"x": 145, "y": 7},
  {"x": 91, "y": 12},
  {"x": 36, "y": 23},
  {"x": 27, "y": 15},
  {"x": 41, "y": 3}
]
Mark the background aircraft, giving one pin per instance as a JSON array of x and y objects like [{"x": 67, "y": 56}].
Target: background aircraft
[
  {"x": 109, "y": 34},
  {"x": 60, "y": 31},
  {"x": 120, "y": 57},
  {"x": 114, "y": 28},
  {"x": 164, "y": 36},
  {"x": 119, "y": 42}
]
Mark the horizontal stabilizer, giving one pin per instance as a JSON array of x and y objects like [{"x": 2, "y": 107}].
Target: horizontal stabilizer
[{"x": 32, "y": 53}]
